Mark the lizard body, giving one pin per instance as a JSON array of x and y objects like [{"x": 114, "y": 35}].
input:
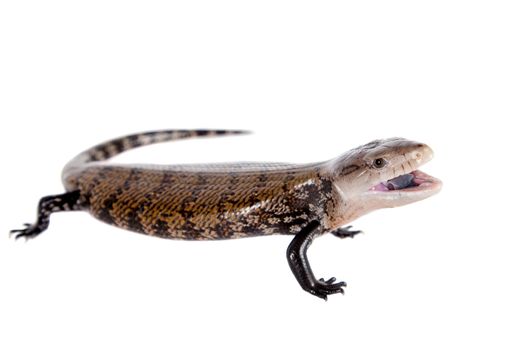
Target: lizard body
[{"x": 233, "y": 200}]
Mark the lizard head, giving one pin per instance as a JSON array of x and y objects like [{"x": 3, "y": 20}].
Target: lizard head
[{"x": 382, "y": 174}]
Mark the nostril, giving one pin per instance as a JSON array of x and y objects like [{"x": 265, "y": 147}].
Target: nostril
[{"x": 418, "y": 156}]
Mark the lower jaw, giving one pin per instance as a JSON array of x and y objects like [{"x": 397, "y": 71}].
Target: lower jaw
[{"x": 421, "y": 182}]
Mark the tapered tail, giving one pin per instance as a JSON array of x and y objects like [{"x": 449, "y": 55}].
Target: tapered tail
[{"x": 116, "y": 146}]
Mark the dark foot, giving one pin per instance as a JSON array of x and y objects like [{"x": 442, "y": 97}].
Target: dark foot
[
  {"x": 324, "y": 288},
  {"x": 30, "y": 231},
  {"x": 345, "y": 232}
]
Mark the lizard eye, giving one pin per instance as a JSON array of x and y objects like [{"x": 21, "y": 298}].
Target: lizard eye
[{"x": 379, "y": 163}]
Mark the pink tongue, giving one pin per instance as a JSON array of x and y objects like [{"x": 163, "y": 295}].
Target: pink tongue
[{"x": 381, "y": 187}]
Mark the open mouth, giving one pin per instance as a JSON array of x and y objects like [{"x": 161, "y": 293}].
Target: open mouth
[{"x": 413, "y": 181}]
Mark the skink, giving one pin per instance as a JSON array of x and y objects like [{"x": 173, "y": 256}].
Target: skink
[{"x": 233, "y": 200}]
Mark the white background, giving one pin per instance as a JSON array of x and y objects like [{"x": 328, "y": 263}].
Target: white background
[{"x": 312, "y": 79}]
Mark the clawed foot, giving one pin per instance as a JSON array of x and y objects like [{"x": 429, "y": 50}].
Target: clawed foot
[
  {"x": 30, "y": 231},
  {"x": 345, "y": 232},
  {"x": 324, "y": 288}
]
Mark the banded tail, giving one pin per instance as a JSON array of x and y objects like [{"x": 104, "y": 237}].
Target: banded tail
[{"x": 109, "y": 149}]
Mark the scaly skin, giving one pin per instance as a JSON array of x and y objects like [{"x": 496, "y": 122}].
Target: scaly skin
[{"x": 232, "y": 200}]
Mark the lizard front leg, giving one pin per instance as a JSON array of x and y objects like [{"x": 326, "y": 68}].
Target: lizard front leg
[{"x": 298, "y": 261}]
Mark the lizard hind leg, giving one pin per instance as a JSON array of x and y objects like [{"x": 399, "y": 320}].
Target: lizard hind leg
[{"x": 46, "y": 206}]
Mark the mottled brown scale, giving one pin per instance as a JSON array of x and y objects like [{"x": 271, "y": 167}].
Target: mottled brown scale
[{"x": 174, "y": 203}]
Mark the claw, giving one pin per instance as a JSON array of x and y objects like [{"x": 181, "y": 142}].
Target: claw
[
  {"x": 334, "y": 287},
  {"x": 12, "y": 232},
  {"x": 331, "y": 280},
  {"x": 20, "y": 235}
]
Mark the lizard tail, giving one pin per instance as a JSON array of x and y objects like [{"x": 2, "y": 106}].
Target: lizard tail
[{"x": 116, "y": 146}]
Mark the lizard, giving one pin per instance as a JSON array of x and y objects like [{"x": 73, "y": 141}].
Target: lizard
[{"x": 245, "y": 199}]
